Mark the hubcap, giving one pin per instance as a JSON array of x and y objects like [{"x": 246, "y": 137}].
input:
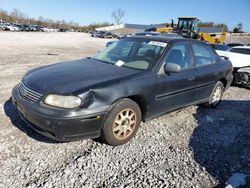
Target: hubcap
[
  {"x": 217, "y": 95},
  {"x": 124, "y": 124}
]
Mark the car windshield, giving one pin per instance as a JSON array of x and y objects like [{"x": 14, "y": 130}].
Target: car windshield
[
  {"x": 134, "y": 54},
  {"x": 240, "y": 50}
]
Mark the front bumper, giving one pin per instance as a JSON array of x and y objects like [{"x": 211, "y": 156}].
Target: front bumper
[{"x": 59, "y": 124}]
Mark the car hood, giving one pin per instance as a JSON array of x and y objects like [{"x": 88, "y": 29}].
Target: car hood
[{"x": 72, "y": 77}]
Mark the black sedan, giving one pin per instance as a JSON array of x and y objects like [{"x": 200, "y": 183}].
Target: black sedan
[{"x": 132, "y": 80}]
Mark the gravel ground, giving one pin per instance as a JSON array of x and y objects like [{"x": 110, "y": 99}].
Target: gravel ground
[{"x": 191, "y": 147}]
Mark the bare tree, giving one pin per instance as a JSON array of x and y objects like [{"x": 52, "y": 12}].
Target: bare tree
[
  {"x": 17, "y": 15},
  {"x": 3, "y": 15},
  {"x": 40, "y": 21},
  {"x": 117, "y": 15}
]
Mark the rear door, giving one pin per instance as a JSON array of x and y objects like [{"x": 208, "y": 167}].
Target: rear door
[
  {"x": 174, "y": 90},
  {"x": 206, "y": 70}
]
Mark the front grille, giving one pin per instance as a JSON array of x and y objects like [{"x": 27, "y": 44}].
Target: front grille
[{"x": 29, "y": 94}]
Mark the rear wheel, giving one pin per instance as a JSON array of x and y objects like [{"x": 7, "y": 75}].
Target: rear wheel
[
  {"x": 122, "y": 122},
  {"x": 216, "y": 95}
]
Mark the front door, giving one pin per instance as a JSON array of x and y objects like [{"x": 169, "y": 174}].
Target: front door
[{"x": 175, "y": 90}]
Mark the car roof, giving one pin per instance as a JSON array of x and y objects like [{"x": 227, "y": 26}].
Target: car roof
[
  {"x": 243, "y": 47},
  {"x": 147, "y": 32},
  {"x": 162, "y": 38}
]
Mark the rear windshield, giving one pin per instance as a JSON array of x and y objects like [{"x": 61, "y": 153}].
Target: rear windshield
[{"x": 241, "y": 50}]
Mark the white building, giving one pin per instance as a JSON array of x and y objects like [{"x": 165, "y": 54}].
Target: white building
[{"x": 126, "y": 28}]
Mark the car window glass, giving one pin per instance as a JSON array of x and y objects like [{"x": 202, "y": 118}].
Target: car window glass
[
  {"x": 203, "y": 55},
  {"x": 136, "y": 54},
  {"x": 179, "y": 54},
  {"x": 241, "y": 50},
  {"x": 121, "y": 50},
  {"x": 145, "y": 47}
]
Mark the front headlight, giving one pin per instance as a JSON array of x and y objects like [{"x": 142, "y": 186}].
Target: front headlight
[{"x": 63, "y": 101}]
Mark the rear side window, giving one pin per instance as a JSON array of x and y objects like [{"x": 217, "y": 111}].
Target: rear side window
[
  {"x": 241, "y": 50},
  {"x": 203, "y": 55}
]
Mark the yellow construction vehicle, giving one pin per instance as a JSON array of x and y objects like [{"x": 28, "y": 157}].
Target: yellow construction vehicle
[
  {"x": 165, "y": 29},
  {"x": 188, "y": 28}
]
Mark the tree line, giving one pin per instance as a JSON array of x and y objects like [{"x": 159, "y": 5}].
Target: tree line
[{"x": 18, "y": 17}]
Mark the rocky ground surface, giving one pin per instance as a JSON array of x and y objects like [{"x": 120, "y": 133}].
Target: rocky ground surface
[{"x": 191, "y": 147}]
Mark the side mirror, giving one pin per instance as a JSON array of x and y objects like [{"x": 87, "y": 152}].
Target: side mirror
[{"x": 172, "y": 68}]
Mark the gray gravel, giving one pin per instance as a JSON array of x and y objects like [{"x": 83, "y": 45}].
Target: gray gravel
[{"x": 191, "y": 147}]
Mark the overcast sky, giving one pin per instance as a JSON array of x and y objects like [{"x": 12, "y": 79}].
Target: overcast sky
[{"x": 85, "y": 12}]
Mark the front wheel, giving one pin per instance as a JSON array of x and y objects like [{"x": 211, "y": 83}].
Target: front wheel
[
  {"x": 216, "y": 95},
  {"x": 122, "y": 122}
]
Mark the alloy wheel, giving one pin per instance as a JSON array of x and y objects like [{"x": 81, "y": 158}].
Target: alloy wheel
[
  {"x": 124, "y": 124},
  {"x": 217, "y": 95}
]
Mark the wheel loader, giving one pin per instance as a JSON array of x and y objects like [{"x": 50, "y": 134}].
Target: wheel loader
[{"x": 188, "y": 28}]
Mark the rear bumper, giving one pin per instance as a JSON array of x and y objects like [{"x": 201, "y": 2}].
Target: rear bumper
[
  {"x": 229, "y": 82},
  {"x": 58, "y": 127}
]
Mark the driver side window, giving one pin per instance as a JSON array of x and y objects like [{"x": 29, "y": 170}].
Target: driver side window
[{"x": 179, "y": 54}]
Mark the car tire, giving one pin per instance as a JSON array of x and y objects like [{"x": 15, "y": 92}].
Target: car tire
[
  {"x": 216, "y": 95},
  {"x": 122, "y": 122}
]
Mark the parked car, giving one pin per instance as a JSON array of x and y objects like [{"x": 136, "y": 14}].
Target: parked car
[
  {"x": 2, "y": 26},
  {"x": 222, "y": 47},
  {"x": 133, "y": 80},
  {"x": 93, "y": 33},
  {"x": 40, "y": 28},
  {"x": 108, "y": 35},
  {"x": 10, "y": 27},
  {"x": 26, "y": 27},
  {"x": 63, "y": 30},
  {"x": 152, "y": 33},
  {"x": 45, "y": 29},
  {"x": 241, "y": 50},
  {"x": 20, "y": 27},
  {"x": 32, "y": 28},
  {"x": 147, "y": 33},
  {"x": 116, "y": 35},
  {"x": 100, "y": 34},
  {"x": 240, "y": 58},
  {"x": 175, "y": 35},
  {"x": 127, "y": 35}
]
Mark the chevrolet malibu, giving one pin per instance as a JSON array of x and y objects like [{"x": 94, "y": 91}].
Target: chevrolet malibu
[{"x": 132, "y": 80}]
